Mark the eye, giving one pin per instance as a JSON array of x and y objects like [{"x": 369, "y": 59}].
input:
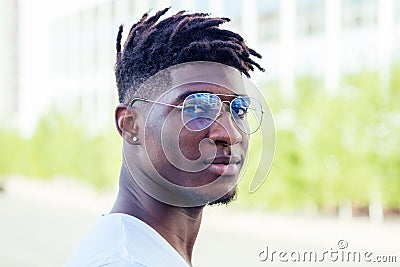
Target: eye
[
  {"x": 196, "y": 110},
  {"x": 240, "y": 107},
  {"x": 240, "y": 112}
]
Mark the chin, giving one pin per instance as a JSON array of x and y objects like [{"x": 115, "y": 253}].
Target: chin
[{"x": 225, "y": 199}]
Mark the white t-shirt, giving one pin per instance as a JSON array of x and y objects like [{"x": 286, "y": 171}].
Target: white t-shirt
[{"x": 122, "y": 240}]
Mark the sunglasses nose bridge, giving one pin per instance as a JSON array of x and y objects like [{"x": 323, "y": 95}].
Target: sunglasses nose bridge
[
  {"x": 226, "y": 109},
  {"x": 227, "y": 106}
]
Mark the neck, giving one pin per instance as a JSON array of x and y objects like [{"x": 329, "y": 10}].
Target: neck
[{"x": 179, "y": 226}]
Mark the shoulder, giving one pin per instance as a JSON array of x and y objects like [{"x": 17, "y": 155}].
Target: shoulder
[
  {"x": 122, "y": 240},
  {"x": 103, "y": 244}
]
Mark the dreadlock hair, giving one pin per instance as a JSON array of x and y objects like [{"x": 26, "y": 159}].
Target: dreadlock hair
[{"x": 154, "y": 45}]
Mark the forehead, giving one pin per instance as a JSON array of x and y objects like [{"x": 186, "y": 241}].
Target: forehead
[{"x": 204, "y": 76}]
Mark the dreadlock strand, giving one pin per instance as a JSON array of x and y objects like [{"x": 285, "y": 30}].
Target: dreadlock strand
[
  {"x": 119, "y": 37},
  {"x": 134, "y": 30},
  {"x": 218, "y": 43},
  {"x": 226, "y": 33},
  {"x": 254, "y": 53},
  {"x": 187, "y": 22},
  {"x": 229, "y": 54},
  {"x": 183, "y": 23},
  {"x": 156, "y": 17},
  {"x": 207, "y": 24},
  {"x": 134, "y": 26},
  {"x": 253, "y": 63}
]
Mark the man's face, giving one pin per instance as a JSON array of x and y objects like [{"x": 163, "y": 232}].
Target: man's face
[{"x": 211, "y": 157}]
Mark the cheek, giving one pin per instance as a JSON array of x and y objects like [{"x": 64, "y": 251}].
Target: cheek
[
  {"x": 189, "y": 143},
  {"x": 152, "y": 134},
  {"x": 245, "y": 144},
  {"x": 166, "y": 134}
]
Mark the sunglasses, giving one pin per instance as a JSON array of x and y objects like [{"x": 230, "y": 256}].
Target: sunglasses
[{"x": 200, "y": 110}]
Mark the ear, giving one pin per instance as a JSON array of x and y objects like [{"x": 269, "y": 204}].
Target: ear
[{"x": 127, "y": 120}]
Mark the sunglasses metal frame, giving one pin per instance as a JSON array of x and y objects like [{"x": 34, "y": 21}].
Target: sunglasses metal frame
[{"x": 181, "y": 106}]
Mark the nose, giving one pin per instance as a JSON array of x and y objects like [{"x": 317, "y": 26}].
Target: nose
[{"x": 223, "y": 130}]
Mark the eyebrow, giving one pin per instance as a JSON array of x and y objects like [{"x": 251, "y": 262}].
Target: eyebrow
[{"x": 186, "y": 94}]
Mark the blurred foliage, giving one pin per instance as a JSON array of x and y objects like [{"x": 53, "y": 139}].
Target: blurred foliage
[
  {"x": 60, "y": 147},
  {"x": 331, "y": 148},
  {"x": 334, "y": 148}
]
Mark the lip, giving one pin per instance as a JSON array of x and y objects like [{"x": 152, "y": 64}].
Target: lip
[
  {"x": 225, "y": 165},
  {"x": 225, "y": 160},
  {"x": 224, "y": 169}
]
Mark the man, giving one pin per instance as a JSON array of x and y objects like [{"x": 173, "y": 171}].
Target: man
[{"x": 183, "y": 118}]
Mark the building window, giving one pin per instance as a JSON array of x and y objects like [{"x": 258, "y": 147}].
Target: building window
[
  {"x": 268, "y": 20},
  {"x": 397, "y": 14},
  {"x": 176, "y": 5},
  {"x": 310, "y": 19},
  {"x": 60, "y": 48},
  {"x": 359, "y": 13},
  {"x": 88, "y": 38},
  {"x": 131, "y": 8},
  {"x": 152, "y": 4},
  {"x": 233, "y": 10},
  {"x": 203, "y": 6}
]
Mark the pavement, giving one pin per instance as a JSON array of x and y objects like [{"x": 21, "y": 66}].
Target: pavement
[{"x": 41, "y": 222}]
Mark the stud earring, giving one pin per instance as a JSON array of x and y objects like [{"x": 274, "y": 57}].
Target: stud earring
[{"x": 135, "y": 139}]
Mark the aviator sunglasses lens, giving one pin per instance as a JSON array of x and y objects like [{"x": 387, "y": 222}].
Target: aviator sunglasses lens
[
  {"x": 200, "y": 110},
  {"x": 247, "y": 113}
]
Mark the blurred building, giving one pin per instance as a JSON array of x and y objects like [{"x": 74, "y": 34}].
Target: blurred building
[
  {"x": 60, "y": 54},
  {"x": 9, "y": 61}
]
